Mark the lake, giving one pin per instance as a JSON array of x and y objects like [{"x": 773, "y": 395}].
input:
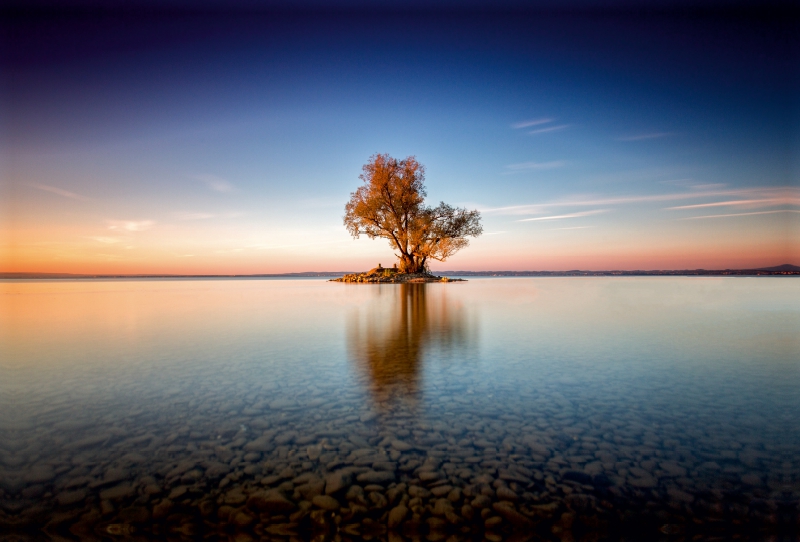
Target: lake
[{"x": 558, "y": 408}]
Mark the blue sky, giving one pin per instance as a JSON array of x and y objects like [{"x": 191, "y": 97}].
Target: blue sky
[{"x": 229, "y": 142}]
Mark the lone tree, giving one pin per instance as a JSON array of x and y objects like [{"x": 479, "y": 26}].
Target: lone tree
[{"x": 391, "y": 204}]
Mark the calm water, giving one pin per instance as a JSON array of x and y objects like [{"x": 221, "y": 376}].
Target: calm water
[{"x": 564, "y": 409}]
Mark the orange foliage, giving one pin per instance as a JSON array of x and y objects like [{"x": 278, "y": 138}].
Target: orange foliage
[{"x": 391, "y": 204}]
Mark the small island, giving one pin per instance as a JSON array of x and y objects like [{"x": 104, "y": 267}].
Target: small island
[
  {"x": 391, "y": 205},
  {"x": 392, "y": 275}
]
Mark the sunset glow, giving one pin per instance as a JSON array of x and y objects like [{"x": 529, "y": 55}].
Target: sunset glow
[{"x": 188, "y": 145}]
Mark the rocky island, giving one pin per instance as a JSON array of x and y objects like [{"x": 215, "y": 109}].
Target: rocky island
[{"x": 392, "y": 275}]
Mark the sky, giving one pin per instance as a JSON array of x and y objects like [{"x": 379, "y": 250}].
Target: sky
[{"x": 228, "y": 140}]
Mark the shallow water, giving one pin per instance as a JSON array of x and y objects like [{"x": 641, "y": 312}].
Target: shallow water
[{"x": 563, "y": 408}]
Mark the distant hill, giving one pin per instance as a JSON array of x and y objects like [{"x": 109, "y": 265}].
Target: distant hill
[{"x": 784, "y": 267}]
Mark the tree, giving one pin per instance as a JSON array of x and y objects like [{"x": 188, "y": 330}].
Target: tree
[{"x": 391, "y": 204}]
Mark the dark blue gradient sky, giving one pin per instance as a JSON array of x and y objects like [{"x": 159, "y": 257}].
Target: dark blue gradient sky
[{"x": 229, "y": 141}]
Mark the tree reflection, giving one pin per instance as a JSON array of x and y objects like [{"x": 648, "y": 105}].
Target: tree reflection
[{"x": 401, "y": 326}]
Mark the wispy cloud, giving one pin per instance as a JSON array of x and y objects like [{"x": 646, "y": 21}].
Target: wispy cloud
[
  {"x": 767, "y": 202},
  {"x": 549, "y": 129},
  {"x": 742, "y": 214},
  {"x": 570, "y": 215},
  {"x": 642, "y": 137},
  {"x": 130, "y": 225},
  {"x": 59, "y": 191},
  {"x": 790, "y": 196},
  {"x": 534, "y": 166},
  {"x": 106, "y": 240},
  {"x": 218, "y": 184},
  {"x": 571, "y": 228},
  {"x": 529, "y": 123}
]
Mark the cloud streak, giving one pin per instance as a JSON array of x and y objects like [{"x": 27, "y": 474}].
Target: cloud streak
[
  {"x": 130, "y": 225},
  {"x": 59, "y": 191},
  {"x": 742, "y": 214},
  {"x": 529, "y": 123},
  {"x": 549, "y": 129},
  {"x": 217, "y": 184},
  {"x": 790, "y": 197},
  {"x": 643, "y": 137},
  {"x": 768, "y": 202},
  {"x": 570, "y": 215}
]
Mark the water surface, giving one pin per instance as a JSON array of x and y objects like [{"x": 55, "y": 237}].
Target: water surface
[{"x": 567, "y": 408}]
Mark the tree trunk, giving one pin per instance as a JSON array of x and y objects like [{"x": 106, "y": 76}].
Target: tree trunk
[
  {"x": 409, "y": 264},
  {"x": 406, "y": 264}
]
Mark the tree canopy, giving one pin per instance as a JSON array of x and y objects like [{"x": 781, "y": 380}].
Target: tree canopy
[{"x": 391, "y": 204}]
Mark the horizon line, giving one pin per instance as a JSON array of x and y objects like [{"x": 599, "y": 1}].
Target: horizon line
[{"x": 35, "y": 274}]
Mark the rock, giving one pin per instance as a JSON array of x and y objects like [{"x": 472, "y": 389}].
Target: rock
[
  {"x": 134, "y": 514},
  {"x": 421, "y": 492},
  {"x": 314, "y": 452},
  {"x": 39, "y": 475},
  {"x": 367, "y": 417},
  {"x": 117, "y": 492},
  {"x": 441, "y": 507},
  {"x": 506, "y": 494},
  {"x": 326, "y": 502},
  {"x": 373, "y": 477},
  {"x": 179, "y": 491},
  {"x": 644, "y": 482},
  {"x": 356, "y": 493},
  {"x": 337, "y": 481},
  {"x": 672, "y": 468},
  {"x": 428, "y": 476},
  {"x": 436, "y": 524},
  {"x": 261, "y": 444},
  {"x": 510, "y": 476},
  {"x": 680, "y": 496},
  {"x": 162, "y": 509},
  {"x": 71, "y": 497},
  {"x": 286, "y": 438},
  {"x": 752, "y": 479},
  {"x": 397, "y": 515},
  {"x": 545, "y": 511},
  {"x": 234, "y": 497},
  {"x": 577, "y": 476},
  {"x": 492, "y": 521},
  {"x": 378, "y": 500},
  {"x": 509, "y": 513},
  {"x": 270, "y": 501},
  {"x": 242, "y": 519},
  {"x": 311, "y": 489},
  {"x": 115, "y": 475},
  {"x": 152, "y": 489},
  {"x": 401, "y": 445},
  {"x": 441, "y": 491}
]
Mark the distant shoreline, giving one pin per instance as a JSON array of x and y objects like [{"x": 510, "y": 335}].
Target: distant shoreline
[{"x": 781, "y": 270}]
